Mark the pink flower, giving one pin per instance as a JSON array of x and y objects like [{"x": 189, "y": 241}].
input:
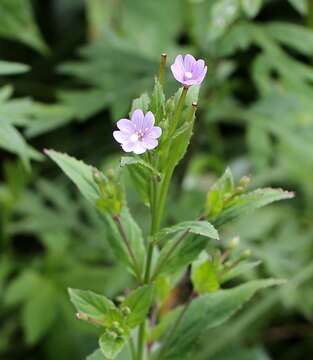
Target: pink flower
[
  {"x": 139, "y": 133},
  {"x": 189, "y": 71}
]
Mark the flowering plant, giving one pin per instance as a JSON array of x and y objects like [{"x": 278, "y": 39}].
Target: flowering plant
[{"x": 144, "y": 323}]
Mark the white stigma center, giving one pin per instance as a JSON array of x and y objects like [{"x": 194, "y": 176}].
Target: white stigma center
[
  {"x": 188, "y": 74},
  {"x": 134, "y": 138}
]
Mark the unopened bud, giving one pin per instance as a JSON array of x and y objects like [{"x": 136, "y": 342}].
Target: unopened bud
[
  {"x": 126, "y": 310},
  {"x": 233, "y": 244},
  {"x": 244, "y": 181},
  {"x": 97, "y": 176},
  {"x": 246, "y": 254}
]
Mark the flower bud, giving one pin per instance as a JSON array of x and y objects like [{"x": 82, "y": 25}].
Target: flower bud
[
  {"x": 233, "y": 244},
  {"x": 244, "y": 181},
  {"x": 126, "y": 310}
]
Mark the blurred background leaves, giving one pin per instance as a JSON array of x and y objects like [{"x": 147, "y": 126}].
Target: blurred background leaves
[{"x": 69, "y": 70}]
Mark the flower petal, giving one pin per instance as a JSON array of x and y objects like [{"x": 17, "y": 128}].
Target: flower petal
[
  {"x": 125, "y": 125},
  {"x": 138, "y": 119},
  {"x": 128, "y": 146},
  {"x": 198, "y": 68},
  {"x": 148, "y": 121},
  {"x": 120, "y": 136},
  {"x": 150, "y": 143},
  {"x": 139, "y": 148},
  {"x": 155, "y": 132},
  {"x": 178, "y": 69},
  {"x": 189, "y": 62}
]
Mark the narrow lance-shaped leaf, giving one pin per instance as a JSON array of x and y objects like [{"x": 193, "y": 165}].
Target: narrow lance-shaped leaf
[
  {"x": 130, "y": 160},
  {"x": 10, "y": 68}
]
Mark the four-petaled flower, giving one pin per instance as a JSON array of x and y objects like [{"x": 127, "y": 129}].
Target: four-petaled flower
[
  {"x": 139, "y": 133},
  {"x": 189, "y": 71}
]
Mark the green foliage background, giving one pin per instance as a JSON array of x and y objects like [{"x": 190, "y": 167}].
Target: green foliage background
[{"x": 69, "y": 70}]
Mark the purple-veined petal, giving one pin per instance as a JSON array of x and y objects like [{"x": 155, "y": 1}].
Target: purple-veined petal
[
  {"x": 128, "y": 146},
  {"x": 138, "y": 119},
  {"x": 198, "y": 68},
  {"x": 155, "y": 132},
  {"x": 125, "y": 125},
  {"x": 177, "y": 73},
  {"x": 139, "y": 148},
  {"x": 150, "y": 143},
  {"x": 189, "y": 62},
  {"x": 120, "y": 136},
  {"x": 148, "y": 121}
]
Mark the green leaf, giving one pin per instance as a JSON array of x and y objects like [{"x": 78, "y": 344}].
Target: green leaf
[
  {"x": 134, "y": 236},
  {"x": 158, "y": 102},
  {"x": 91, "y": 304},
  {"x": 139, "y": 302},
  {"x": 299, "y": 5},
  {"x": 39, "y": 312},
  {"x": 9, "y": 68},
  {"x": 182, "y": 249},
  {"x": 241, "y": 269},
  {"x": 80, "y": 173},
  {"x": 223, "y": 14},
  {"x": 165, "y": 323},
  {"x": 130, "y": 160},
  {"x": 22, "y": 287},
  {"x": 204, "y": 276},
  {"x": 208, "y": 311},
  {"x": 203, "y": 228},
  {"x": 111, "y": 346},
  {"x": 11, "y": 140},
  {"x": 143, "y": 103},
  {"x": 251, "y": 7},
  {"x": 96, "y": 355},
  {"x": 246, "y": 203},
  {"x": 17, "y": 23}
]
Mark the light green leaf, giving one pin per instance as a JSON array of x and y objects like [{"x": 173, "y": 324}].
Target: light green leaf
[
  {"x": 9, "y": 68},
  {"x": 246, "y": 203},
  {"x": 130, "y": 160},
  {"x": 111, "y": 346},
  {"x": 165, "y": 323},
  {"x": 208, "y": 311},
  {"x": 251, "y": 7},
  {"x": 91, "y": 304},
  {"x": 204, "y": 276},
  {"x": 139, "y": 302},
  {"x": 78, "y": 172},
  {"x": 96, "y": 355}
]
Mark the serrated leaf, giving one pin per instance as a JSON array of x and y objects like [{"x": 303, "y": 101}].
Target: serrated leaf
[
  {"x": 249, "y": 202},
  {"x": 130, "y": 160},
  {"x": 203, "y": 228},
  {"x": 111, "y": 346},
  {"x": 208, "y": 311},
  {"x": 91, "y": 304},
  {"x": 79, "y": 172},
  {"x": 10, "y": 68},
  {"x": 139, "y": 302}
]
